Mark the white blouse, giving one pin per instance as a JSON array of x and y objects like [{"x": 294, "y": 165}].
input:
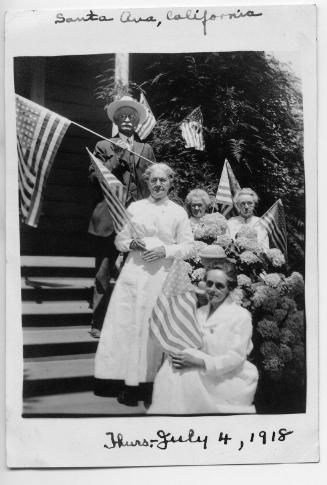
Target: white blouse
[
  {"x": 235, "y": 224},
  {"x": 161, "y": 223}
]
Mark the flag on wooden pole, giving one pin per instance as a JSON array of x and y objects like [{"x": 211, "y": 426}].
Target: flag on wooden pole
[
  {"x": 145, "y": 128},
  {"x": 228, "y": 186},
  {"x": 192, "y": 130},
  {"x": 173, "y": 322},
  {"x": 39, "y": 134},
  {"x": 114, "y": 193},
  {"x": 274, "y": 223}
]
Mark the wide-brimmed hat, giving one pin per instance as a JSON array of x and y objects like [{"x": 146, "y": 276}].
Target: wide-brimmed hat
[
  {"x": 123, "y": 102},
  {"x": 211, "y": 255}
]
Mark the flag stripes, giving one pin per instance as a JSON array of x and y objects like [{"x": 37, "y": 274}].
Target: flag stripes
[
  {"x": 228, "y": 186},
  {"x": 114, "y": 193},
  {"x": 145, "y": 128},
  {"x": 274, "y": 223},
  {"x": 39, "y": 134},
  {"x": 173, "y": 321},
  {"x": 192, "y": 130}
]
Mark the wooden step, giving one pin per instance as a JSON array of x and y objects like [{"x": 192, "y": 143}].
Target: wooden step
[
  {"x": 79, "y": 404},
  {"x": 52, "y": 282},
  {"x": 56, "y": 307},
  {"x": 51, "y": 335},
  {"x": 56, "y": 266},
  {"x": 59, "y": 367},
  {"x": 55, "y": 261},
  {"x": 52, "y": 341}
]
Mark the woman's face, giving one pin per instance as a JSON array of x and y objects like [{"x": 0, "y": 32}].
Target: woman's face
[
  {"x": 216, "y": 286},
  {"x": 198, "y": 208},
  {"x": 158, "y": 184},
  {"x": 245, "y": 205}
]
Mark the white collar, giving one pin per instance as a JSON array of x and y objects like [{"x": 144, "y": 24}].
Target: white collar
[
  {"x": 248, "y": 220},
  {"x": 128, "y": 139},
  {"x": 158, "y": 202},
  {"x": 208, "y": 321}
]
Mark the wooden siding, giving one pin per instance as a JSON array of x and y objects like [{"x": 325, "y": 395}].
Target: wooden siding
[{"x": 67, "y": 86}]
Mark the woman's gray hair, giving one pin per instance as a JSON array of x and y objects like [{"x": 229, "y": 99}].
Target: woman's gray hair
[
  {"x": 199, "y": 193},
  {"x": 169, "y": 172},
  {"x": 246, "y": 191}
]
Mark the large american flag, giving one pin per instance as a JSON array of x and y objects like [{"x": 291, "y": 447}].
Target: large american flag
[
  {"x": 114, "y": 193},
  {"x": 274, "y": 223},
  {"x": 228, "y": 186},
  {"x": 192, "y": 130},
  {"x": 173, "y": 322},
  {"x": 39, "y": 134},
  {"x": 145, "y": 128}
]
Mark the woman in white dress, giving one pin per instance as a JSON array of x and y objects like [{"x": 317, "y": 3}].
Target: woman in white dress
[
  {"x": 245, "y": 201},
  {"x": 127, "y": 359},
  {"x": 218, "y": 378}
]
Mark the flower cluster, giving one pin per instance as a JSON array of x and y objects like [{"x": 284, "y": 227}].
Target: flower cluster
[
  {"x": 274, "y": 299},
  {"x": 275, "y": 257},
  {"x": 210, "y": 227}
]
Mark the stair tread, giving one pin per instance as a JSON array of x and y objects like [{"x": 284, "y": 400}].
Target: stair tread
[
  {"x": 77, "y": 403},
  {"x": 58, "y": 261},
  {"x": 55, "y": 307},
  {"x": 56, "y": 335},
  {"x": 52, "y": 282},
  {"x": 53, "y": 368}
]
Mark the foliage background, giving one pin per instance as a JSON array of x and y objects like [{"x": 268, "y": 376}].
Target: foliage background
[{"x": 252, "y": 115}]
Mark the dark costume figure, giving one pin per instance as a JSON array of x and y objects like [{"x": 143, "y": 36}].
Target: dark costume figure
[{"x": 128, "y": 168}]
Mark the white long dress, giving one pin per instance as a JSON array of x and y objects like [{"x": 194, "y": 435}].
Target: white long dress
[
  {"x": 125, "y": 351},
  {"x": 235, "y": 224},
  {"x": 228, "y": 382}
]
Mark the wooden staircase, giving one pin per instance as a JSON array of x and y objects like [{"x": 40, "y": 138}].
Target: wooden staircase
[{"x": 58, "y": 349}]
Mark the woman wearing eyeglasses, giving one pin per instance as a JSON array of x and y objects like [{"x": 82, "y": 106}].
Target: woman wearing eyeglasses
[
  {"x": 218, "y": 378},
  {"x": 246, "y": 223}
]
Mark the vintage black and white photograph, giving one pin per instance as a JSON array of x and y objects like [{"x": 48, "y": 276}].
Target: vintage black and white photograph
[
  {"x": 162, "y": 236},
  {"x": 194, "y": 157}
]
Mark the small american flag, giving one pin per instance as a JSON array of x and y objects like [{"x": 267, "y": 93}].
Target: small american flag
[
  {"x": 148, "y": 124},
  {"x": 274, "y": 223},
  {"x": 192, "y": 130},
  {"x": 114, "y": 193},
  {"x": 228, "y": 186},
  {"x": 173, "y": 322},
  {"x": 39, "y": 134}
]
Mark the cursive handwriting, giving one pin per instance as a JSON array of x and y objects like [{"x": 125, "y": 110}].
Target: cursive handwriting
[
  {"x": 161, "y": 442},
  {"x": 204, "y": 17},
  {"x": 90, "y": 16},
  {"x": 126, "y": 16}
]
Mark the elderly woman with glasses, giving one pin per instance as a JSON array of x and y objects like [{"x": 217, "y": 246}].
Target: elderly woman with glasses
[
  {"x": 127, "y": 359},
  {"x": 217, "y": 378},
  {"x": 245, "y": 201}
]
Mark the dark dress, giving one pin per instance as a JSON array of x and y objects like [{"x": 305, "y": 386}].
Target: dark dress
[{"x": 129, "y": 169}]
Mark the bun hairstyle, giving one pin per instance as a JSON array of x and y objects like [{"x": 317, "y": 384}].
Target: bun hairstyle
[
  {"x": 169, "y": 172},
  {"x": 199, "y": 193},
  {"x": 230, "y": 271},
  {"x": 246, "y": 191}
]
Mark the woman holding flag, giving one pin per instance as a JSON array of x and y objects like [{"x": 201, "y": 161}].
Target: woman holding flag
[
  {"x": 218, "y": 378},
  {"x": 127, "y": 359}
]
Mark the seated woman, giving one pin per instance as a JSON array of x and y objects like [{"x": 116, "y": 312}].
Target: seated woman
[
  {"x": 218, "y": 378},
  {"x": 127, "y": 360},
  {"x": 245, "y": 201}
]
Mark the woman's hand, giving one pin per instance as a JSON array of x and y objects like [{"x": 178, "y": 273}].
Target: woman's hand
[
  {"x": 186, "y": 359},
  {"x": 137, "y": 244},
  {"x": 154, "y": 254}
]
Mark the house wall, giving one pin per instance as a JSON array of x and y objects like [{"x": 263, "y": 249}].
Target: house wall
[{"x": 66, "y": 86}]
